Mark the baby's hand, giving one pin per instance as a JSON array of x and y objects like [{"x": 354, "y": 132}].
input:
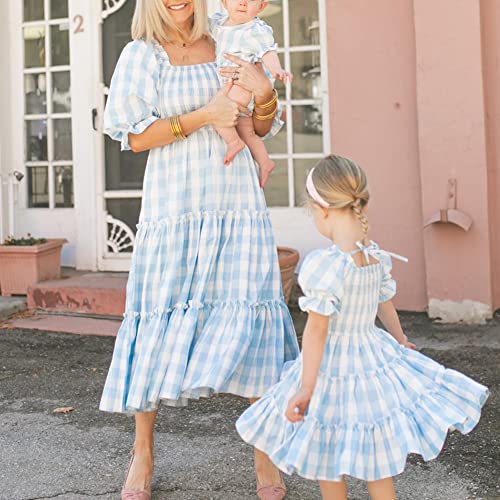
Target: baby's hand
[
  {"x": 297, "y": 405},
  {"x": 283, "y": 75}
]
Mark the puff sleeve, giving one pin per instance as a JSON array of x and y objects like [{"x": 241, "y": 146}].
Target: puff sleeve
[
  {"x": 321, "y": 278},
  {"x": 388, "y": 284},
  {"x": 214, "y": 22},
  {"x": 133, "y": 102},
  {"x": 262, "y": 39}
]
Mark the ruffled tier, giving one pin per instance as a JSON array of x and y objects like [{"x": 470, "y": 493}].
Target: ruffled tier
[
  {"x": 194, "y": 350},
  {"x": 207, "y": 257},
  {"x": 365, "y": 427},
  {"x": 205, "y": 312}
]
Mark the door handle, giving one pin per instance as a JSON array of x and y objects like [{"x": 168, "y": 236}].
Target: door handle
[{"x": 94, "y": 116}]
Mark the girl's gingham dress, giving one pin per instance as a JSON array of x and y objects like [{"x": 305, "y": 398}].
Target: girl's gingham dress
[
  {"x": 375, "y": 401},
  {"x": 204, "y": 309},
  {"x": 249, "y": 41}
]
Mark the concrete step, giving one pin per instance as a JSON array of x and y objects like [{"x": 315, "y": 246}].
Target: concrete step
[
  {"x": 93, "y": 294},
  {"x": 64, "y": 324}
]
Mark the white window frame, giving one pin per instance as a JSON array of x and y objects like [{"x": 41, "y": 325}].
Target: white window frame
[
  {"x": 287, "y": 50},
  {"x": 288, "y": 103},
  {"x": 48, "y": 70}
]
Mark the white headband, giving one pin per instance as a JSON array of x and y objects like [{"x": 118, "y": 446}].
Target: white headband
[{"x": 311, "y": 189}]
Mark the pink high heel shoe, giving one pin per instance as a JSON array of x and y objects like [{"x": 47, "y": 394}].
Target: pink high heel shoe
[
  {"x": 273, "y": 492},
  {"x": 144, "y": 494}
]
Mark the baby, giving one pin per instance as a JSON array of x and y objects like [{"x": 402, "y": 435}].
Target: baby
[{"x": 242, "y": 33}]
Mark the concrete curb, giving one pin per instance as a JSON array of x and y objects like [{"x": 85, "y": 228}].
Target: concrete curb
[{"x": 11, "y": 305}]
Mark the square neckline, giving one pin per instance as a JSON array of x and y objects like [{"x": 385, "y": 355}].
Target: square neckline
[{"x": 164, "y": 55}]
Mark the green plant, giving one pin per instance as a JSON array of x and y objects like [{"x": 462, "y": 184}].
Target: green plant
[{"x": 24, "y": 242}]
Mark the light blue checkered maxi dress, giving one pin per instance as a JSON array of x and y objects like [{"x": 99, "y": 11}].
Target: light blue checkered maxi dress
[
  {"x": 375, "y": 401},
  {"x": 204, "y": 310}
]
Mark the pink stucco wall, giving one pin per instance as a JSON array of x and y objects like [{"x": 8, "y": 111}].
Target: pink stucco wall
[
  {"x": 415, "y": 99},
  {"x": 371, "y": 53},
  {"x": 490, "y": 20},
  {"x": 450, "y": 103}
]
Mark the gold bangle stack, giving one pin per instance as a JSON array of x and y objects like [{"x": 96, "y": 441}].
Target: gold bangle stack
[
  {"x": 270, "y": 103},
  {"x": 263, "y": 118},
  {"x": 270, "y": 116},
  {"x": 176, "y": 128}
]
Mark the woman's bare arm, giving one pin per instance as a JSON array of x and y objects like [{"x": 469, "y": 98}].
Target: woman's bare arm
[
  {"x": 252, "y": 77},
  {"x": 159, "y": 133},
  {"x": 220, "y": 111},
  {"x": 262, "y": 127}
]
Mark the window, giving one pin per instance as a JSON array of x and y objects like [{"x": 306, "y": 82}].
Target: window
[
  {"x": 305, "y": 138},
  {"x": 47, "y": 104}
]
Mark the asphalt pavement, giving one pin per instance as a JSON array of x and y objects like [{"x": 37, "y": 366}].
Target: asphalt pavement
[{"x": 198, "y": 455}]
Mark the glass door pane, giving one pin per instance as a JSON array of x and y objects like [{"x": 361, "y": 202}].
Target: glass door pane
[
  {"x": 304, "y": 22},
  {"x": 33, "y": 10},
  {"x": 34, "y": 46}
]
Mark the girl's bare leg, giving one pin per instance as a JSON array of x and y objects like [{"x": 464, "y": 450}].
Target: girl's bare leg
[
  {"x": 256, "y": 146},
  {"x": 333, "y": 490},
  {"x": 268, "y": 473},
  {"x": 229, "y": 134},
  {"x": 383, "y": 489},
  {"x": 141, "y": 472}
]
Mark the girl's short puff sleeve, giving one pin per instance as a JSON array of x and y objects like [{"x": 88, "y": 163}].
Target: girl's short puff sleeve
[
  {"x": 387, "y": 284},
  {"x": 321, "y": 279},
  {"x": 133, "y": 102}
]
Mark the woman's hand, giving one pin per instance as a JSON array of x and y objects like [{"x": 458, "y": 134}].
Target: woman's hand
[
  {"x": 222, "y": 111},
  {"x": 247, "y": 75},
  {"x": 297, "y": 405}
]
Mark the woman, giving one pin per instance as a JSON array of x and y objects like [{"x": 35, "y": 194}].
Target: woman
[{"x": 205, "y": 310}]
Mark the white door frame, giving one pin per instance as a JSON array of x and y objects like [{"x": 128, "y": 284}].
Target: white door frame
[
  {"x": 110, "y": 232},
  {"x": 84, "y": 46}
]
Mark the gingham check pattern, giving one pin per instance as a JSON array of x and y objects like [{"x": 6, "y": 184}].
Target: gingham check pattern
[
  {"x": 249, "y": 41},
  {"x": 375, "y": 401},
  {"x": 204, "y": 308}
]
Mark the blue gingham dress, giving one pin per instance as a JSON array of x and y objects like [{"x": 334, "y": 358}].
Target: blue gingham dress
[
  {"x": 249, "y": 41},
  {"x": 204, "y": 309},
  {"x": 375, "y": 401}
]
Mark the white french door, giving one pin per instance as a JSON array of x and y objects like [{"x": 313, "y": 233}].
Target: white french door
[
  {"x": 300, "y": 30},
  {"x": 119, "y": 174}
]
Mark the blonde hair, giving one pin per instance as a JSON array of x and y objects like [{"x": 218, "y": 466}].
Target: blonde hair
[
  {"x": 152, "y": 20},
  {"x": 343, "y": 184}
]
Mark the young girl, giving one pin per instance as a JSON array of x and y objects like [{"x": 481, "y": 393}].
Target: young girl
[
  {"x": 359, "y": 399},
  {"x": 240, "y": 32}
]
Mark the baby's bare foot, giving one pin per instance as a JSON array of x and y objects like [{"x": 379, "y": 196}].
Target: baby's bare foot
[{"x": 233, "y": 148}]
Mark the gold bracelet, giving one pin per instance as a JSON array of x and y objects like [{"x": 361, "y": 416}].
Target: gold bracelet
[
  {"x": 180, "y": 133},
  {"x": 269, "y": 103},
  {"x": 270, "y": 116},
  {"x": 175, "y": 126}
]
